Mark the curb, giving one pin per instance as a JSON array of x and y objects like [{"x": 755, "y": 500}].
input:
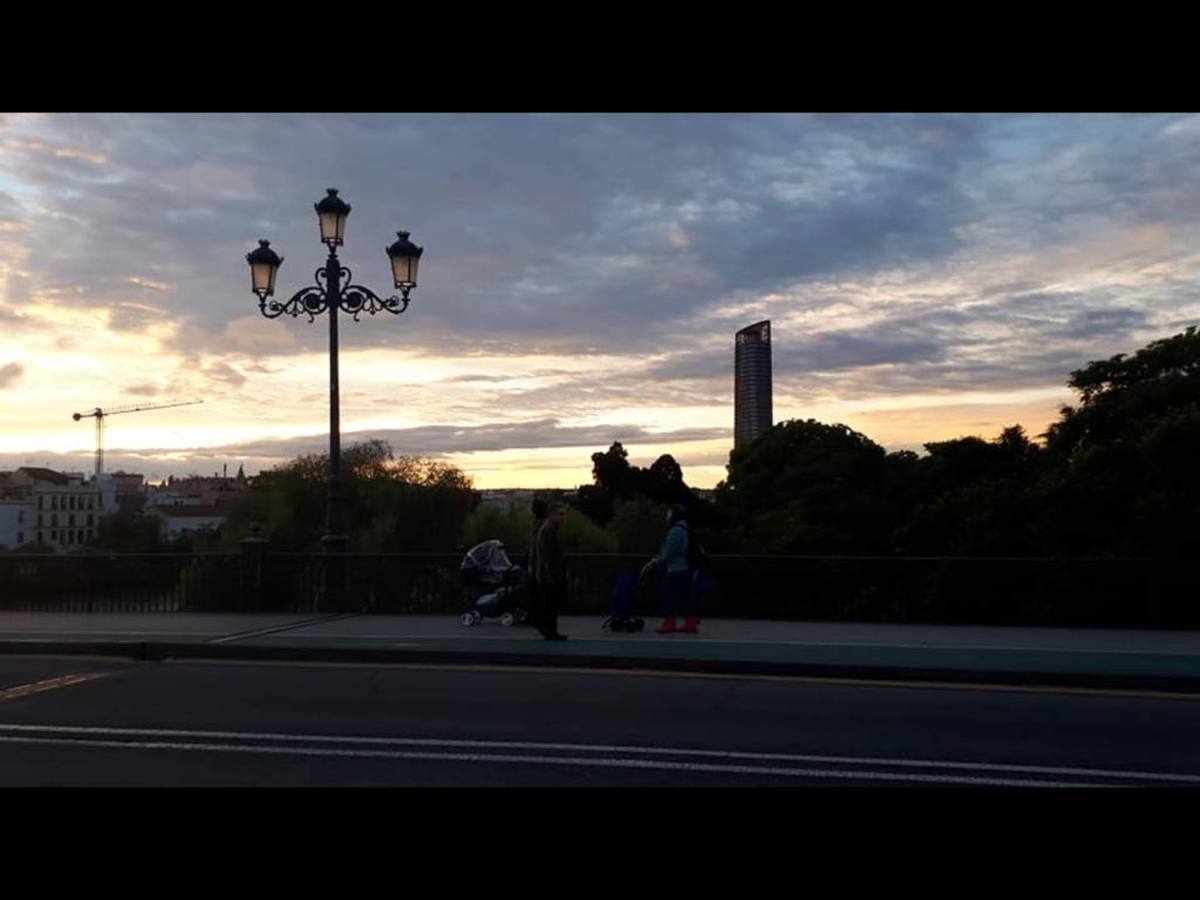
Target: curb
[{"x": 156, "y": 651}]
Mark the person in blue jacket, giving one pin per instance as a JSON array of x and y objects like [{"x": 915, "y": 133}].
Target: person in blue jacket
[{"x": 674, "y": 557}]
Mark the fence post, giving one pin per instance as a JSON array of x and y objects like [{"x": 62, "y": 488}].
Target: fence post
[{"x": 254, "y": 559}]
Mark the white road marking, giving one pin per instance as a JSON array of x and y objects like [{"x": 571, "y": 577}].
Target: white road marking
[
  {"x": 273, "y": 629},
  {"x": 595, "y": 748},
  {"x": 553, "y": 761}
]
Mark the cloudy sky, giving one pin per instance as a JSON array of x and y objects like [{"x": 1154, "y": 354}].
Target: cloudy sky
[{"x": 926, "y": 276}]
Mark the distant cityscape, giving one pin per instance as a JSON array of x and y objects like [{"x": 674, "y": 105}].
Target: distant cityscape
[{"x": 61, "y": 511}]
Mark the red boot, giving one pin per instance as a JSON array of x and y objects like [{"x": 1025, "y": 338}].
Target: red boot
[
  {"x": 667, "y": 626},
  {"x": 691, "y": 626}
]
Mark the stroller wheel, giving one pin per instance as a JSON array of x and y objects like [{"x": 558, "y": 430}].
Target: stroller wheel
[
  {"x": 467, "y": 619},
  {"x": 507, "y": 620}
]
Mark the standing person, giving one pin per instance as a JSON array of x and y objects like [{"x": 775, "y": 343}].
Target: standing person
[
  {"x": 539, "y": 510},
  {"x": 675, "y": 558},
  {"x": 550, "y": 574}
]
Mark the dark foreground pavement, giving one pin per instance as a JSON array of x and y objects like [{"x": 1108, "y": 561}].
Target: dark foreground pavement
[{"x": 87, "y": 721}]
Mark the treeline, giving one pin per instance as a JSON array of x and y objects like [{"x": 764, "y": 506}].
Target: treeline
[{"x": 1115, "y": 475}]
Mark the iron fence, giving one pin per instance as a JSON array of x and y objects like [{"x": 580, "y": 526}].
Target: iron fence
[{"x": 998, "y": 591}]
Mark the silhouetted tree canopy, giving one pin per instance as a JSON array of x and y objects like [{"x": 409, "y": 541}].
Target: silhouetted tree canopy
[
  {"x": 806, "y": 487},
  {"x": 394, "y": 503},
  {"x": 1117, "y": 476},
  {"x": 1123, "y": 478},
  {"x": 615, "y": 480}
]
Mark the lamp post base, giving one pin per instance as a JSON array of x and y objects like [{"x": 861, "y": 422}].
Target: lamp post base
[{"x": 334, "y": 594}]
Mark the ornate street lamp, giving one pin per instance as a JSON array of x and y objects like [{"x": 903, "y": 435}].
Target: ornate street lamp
[
  {"x": 332, "y": 212},
  {"x": 405, "y": 255},
  {"x": 333, "y": 291},
  {"x": 264, "y": 263}
]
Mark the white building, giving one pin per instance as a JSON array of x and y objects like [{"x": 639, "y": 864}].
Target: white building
[
  {"x": 177, "y": 520},
  {"x": 16, "y": 524},
  {"x": 67, "y": 507},
  {"x": 108, "y": 493},
  {"x": 164, "y": 497}
]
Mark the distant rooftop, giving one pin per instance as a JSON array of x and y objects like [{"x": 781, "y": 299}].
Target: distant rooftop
[
  {"x": 761, "y": 329},
  {"x": 45, "y": 475}
]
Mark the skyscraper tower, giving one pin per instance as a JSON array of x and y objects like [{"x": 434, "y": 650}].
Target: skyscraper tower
[{"x": 752, "y": 412}]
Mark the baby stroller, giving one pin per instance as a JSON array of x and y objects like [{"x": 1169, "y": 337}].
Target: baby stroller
[
  {"x": 486, "y": 566},
  {"x": 621, "y": 608}
]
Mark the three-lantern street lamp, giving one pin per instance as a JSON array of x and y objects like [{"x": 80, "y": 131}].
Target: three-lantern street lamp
[{"x": 334, "y": 291}]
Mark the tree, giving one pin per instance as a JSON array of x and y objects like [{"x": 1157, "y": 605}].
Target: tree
[
  {"x": 663, "y": 483},
  {"x": 611, "y": 477},
  {"x": 579, "y": 534},
  {"x": 970, "y": 497},
  {"x": 615, "y": 479},
  {"x": 1124, "y": 477},
  {"x": 807, "y": 487},
  {"x": 638, "y": 525},
  {"x": 128, "y": 531},
  {"x": 611, "y": 470},
  {"x": 393, "y": 503},
  {"x": 1126, "y": 394}
]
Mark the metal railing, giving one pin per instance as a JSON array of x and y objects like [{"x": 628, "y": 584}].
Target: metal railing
[
  {"x": 128, "y": 582},
  {"x": 998, "y": 591}
]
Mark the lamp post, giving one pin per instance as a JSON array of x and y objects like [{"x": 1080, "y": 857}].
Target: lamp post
[{"x": 334, "y": 291}]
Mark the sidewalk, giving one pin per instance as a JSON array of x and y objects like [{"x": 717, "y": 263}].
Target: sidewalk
[{"x": 1161, "y": 660}]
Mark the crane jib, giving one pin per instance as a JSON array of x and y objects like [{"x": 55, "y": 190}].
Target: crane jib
[{"x": 101, "y": 414}]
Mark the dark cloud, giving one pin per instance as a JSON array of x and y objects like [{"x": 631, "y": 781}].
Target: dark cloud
[
  {"x": 143, "y": 390},
  {"x": 625, "y": 235},
  {"x": 10, "y": 320},
  {"x": 538, "y": 228},
  {"x": 226, "y": 373},
  {"x": 474, "y": 377},
  {"x": 557, "y": 233},
  {"x": 10, "y": 210},
  {"x": 441, "y": 440},
  {"x": 265, "y": 455},
  {"x": 851, "y": 350},
  {"x": 488, "y": 378},
  {"x": 134, "y": 317},
  {"x": 429, "y": 441},
  {"x": 1088, "y": 324},
  {"x": 10, "y": 374},
  {"x": 155, "y": 468},
  {"x": 828, "y": 352}
]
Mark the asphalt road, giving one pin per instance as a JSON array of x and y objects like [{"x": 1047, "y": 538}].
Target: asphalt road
[{"x": 79, "y": 721}]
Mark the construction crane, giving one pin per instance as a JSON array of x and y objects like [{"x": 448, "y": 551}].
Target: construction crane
[{"x": 102, "y": 414}]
